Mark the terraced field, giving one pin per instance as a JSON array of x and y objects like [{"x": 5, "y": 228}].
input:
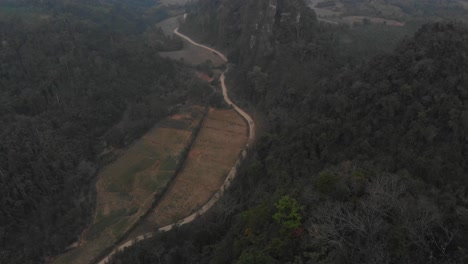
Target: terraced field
[
  {"x": 127, "y": 188},
  {"x": 217, "y": 147},
  {"x": 211, "y": 165}
]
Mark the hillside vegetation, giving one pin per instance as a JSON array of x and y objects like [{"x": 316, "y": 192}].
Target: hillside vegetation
[
  {"x": 361, "y": 162},
  {"x": 71, "y": 87}
]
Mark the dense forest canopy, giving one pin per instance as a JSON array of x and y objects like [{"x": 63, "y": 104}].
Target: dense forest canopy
[
  {"x": 361, "y": 160},
  {"x": 116, "y": 15},
  {"x": 71, "y": 86},
  {"x": 362, "y": 155},
  {"x": 399, "y": 9}
]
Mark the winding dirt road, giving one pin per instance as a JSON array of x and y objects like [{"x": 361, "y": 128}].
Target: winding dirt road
[
  {"x": 227, "y": 181},
  {"x": 176, "y": 31}
]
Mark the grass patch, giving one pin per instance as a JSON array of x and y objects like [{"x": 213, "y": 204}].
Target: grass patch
[
  {"x": 118, "y": 229},
  {"x": 132, "y": 211},
  {"x": 125, "y": 197},
  {"x": 123, "y": 182},
  {"x": 111, "y": 187},
  {"x": 176, "y": 124},
  {"x": 156, "y": 183},
  {"x": 106, "y": 221},
  {"x": 126, "y": 188},
  {"x": 146, "y": 149},
  {"x": 128, "y": 176},
  {"x": 169, "y": 164}
]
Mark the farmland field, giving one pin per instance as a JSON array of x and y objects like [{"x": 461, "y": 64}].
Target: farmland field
[
  {"x": 127, "y": 187},
  {"x": 214, "y": 152}
]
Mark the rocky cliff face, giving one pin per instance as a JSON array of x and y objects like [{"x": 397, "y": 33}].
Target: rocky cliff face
[
  {"x": 250, "y": 30},
  {"x": 272, "y": 44}
]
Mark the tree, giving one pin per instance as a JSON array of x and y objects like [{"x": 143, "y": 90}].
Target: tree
[{"x": 288, "y": 213}]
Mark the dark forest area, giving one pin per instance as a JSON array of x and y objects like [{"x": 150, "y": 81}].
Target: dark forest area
[
  {"x": 361, "y": 159},
  {"x": 362, "y": 153},
  {"x": 71, "y": 87}
]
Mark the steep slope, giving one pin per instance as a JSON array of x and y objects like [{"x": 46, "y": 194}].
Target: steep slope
[
  {"x": 407, "y": 109},
  {"x": 71, "y": 90},
  {"x": 362, "y": 164},
  {"x": 251, "y": 30}
]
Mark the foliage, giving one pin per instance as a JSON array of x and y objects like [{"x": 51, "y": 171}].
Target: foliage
[
  {"x": 374, "y": 150},
  {"x": 288, "y": 213},
  {"x": 254, "y": 258},
  {"x": 326, "y": 182},
  {"x": 406, "y": 9},
  {"x": 69, "y": 88}
]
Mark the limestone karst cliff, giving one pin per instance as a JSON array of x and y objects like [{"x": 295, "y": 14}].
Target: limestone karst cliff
[{"x": 251, "y": 30}]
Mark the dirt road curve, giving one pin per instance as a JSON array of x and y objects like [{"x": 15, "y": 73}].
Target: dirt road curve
[
  {"x": 176, "y": 31},
  {"x": 229, "y": 178},
  {"x": 223, "y": 85}
]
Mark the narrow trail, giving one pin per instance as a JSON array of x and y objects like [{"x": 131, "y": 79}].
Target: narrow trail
[
  {"x": 223, "y": 57},
  {"x": 227, "y": 182}
]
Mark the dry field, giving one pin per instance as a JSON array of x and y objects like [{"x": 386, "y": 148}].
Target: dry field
[
  {"x": 214, "y": 152},
  {"x": 127, "y": 187}
]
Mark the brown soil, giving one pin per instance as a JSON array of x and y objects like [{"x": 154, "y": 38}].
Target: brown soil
[
  {"x": 127, "y": 187},
  {"x": 216, "y": 149},
  {"x": 204, "y": 76},
  {"x": 155, "y": 167},
  {"x": 194, "y": 153}
]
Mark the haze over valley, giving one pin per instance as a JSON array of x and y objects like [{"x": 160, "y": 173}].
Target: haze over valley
[{"x": 222, "y": 131}]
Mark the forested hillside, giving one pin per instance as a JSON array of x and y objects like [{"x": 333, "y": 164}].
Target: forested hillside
[
  {"x": 359, "y": 163},
  {"x": 70, "y": 88},
  {"x": 406, "y": 9}
]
